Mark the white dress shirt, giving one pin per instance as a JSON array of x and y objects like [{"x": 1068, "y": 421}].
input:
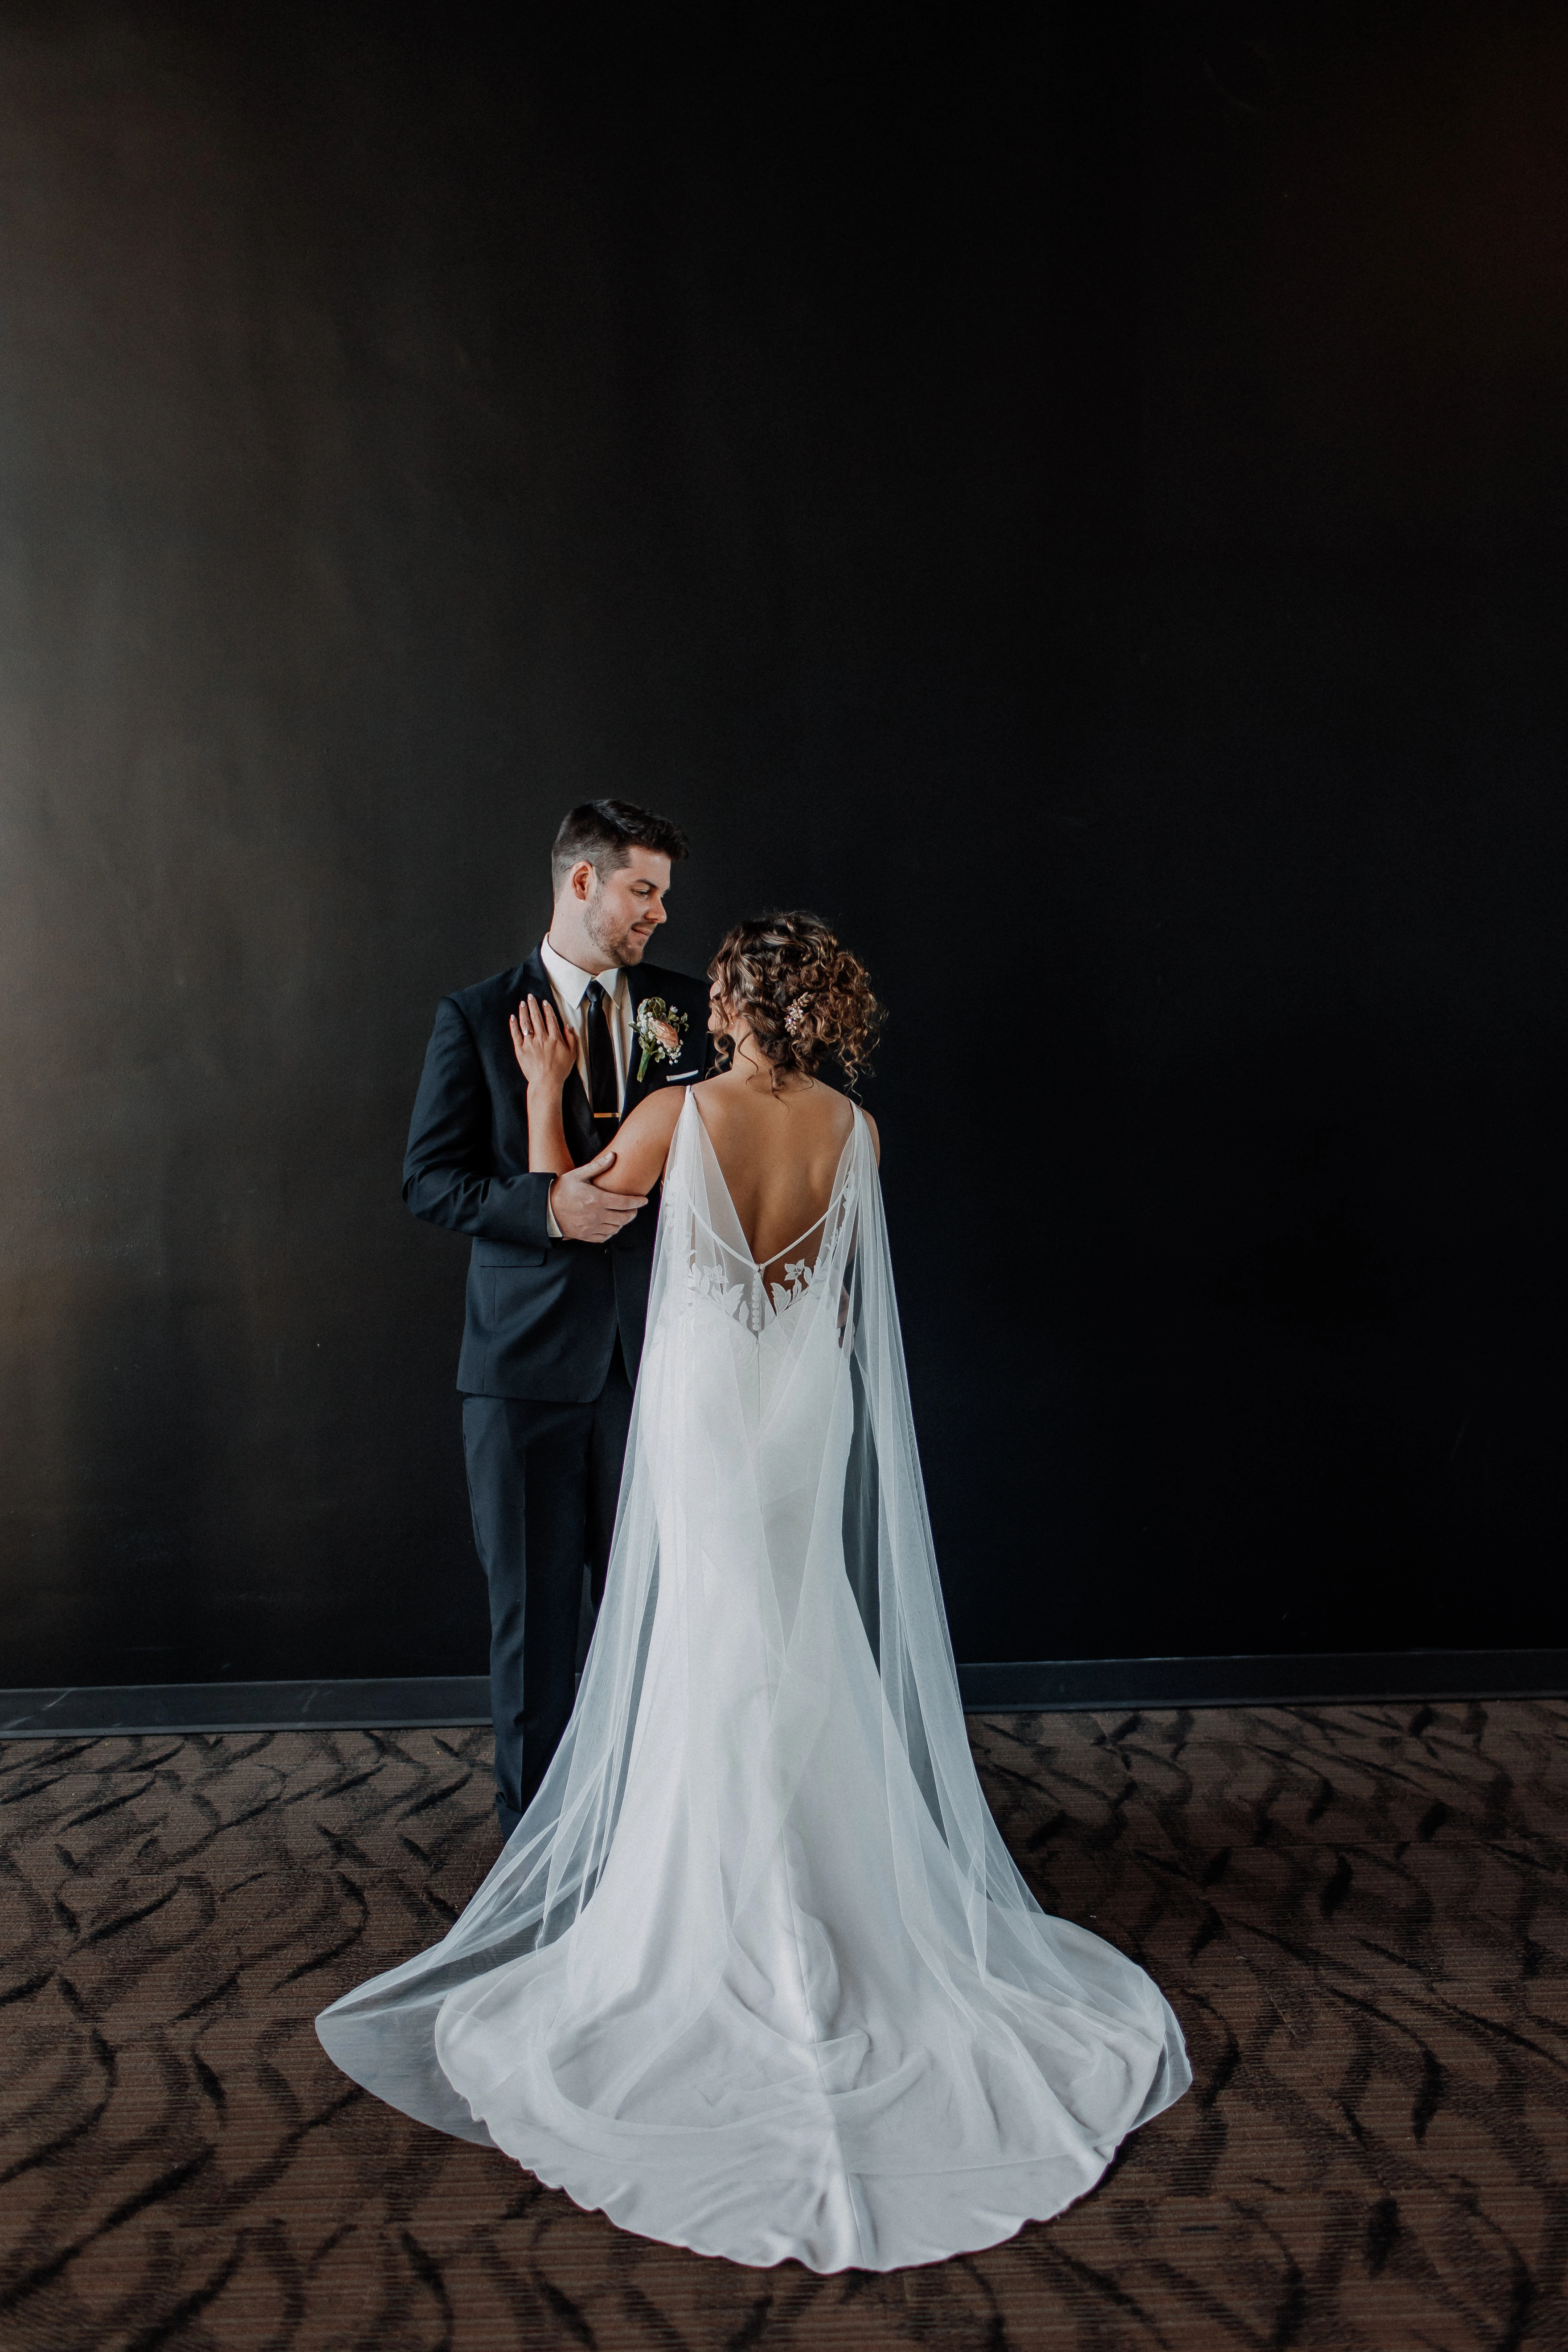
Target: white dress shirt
[{"x": 568, "y": 985}]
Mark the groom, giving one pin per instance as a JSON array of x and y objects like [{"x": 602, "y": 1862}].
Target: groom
[{"x": 558, "y": 1275}]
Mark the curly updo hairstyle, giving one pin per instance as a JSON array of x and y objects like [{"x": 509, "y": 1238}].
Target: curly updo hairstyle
[{"x": 805, "y": 994}]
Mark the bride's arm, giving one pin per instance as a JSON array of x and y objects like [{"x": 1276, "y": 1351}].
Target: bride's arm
[
  {"x": 547, "y": 1057},
  {"x": 642, "y": 1143}
]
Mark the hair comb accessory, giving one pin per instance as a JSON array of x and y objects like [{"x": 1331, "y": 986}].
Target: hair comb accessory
[{"x": 796, "y": 1015}]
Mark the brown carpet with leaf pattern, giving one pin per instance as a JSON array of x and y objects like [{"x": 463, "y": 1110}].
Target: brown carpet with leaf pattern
[{"x": 1360, "y": 1914}]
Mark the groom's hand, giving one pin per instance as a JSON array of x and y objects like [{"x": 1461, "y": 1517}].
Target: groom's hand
[{"x": 584, "y": 1213}]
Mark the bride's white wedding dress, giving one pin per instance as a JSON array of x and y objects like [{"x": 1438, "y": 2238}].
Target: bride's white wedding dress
[{"x": 755, "y": 1974}]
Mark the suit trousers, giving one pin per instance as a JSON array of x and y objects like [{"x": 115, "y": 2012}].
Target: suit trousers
[{"x": 543, "y": 1481}]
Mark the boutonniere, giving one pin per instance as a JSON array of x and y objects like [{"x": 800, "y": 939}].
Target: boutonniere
[{"x": 659, "y": 1031}]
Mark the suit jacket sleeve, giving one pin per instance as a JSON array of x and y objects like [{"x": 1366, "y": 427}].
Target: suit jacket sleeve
[{"x": 444, "y": 1170}]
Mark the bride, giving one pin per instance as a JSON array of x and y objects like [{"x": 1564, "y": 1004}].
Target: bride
[{"x": 755, "y": 1974}]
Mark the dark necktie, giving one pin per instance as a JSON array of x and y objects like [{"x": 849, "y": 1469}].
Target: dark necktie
[{"x": 603, "y": 1095}]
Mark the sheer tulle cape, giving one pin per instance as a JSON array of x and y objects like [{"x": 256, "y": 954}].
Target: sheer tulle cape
[{"x": 756, "y": 1975}]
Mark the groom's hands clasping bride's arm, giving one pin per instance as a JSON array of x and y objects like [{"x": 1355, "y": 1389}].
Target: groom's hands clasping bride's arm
[{"x": 584, "y": 1212}]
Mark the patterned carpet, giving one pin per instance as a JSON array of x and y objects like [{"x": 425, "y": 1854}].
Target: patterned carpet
[{"x": 1359, "y": 1913}]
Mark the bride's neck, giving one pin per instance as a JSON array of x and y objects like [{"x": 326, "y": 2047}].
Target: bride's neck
[
  {"x": 751, "y": 1067},
  {"x": 745, "y": 1061}
]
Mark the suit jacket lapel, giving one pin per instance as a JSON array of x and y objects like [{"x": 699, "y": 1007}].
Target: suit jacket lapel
[
  {"x": 692, "y": 1055},
  {"x": 643, "y": 984}
]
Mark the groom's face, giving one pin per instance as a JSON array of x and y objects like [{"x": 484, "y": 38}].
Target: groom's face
[{"x": 624, "y": 908}]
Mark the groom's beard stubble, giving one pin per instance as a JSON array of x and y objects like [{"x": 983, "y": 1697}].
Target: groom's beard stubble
[{"x": 622, "y": 948}]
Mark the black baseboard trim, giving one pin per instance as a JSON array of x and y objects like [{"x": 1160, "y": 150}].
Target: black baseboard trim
[
  {"x": 397, "y": 1703},
  {"x": 1029, "y": 1685},
  {"x": 1281, "y": 1680}
]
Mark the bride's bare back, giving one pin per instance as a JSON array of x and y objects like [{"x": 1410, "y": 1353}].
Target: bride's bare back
[
  {"x": 778, "y": 1154},
  {"x": 778, "y": 1149}
]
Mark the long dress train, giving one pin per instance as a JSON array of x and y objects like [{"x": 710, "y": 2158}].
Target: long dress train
[{"x": 755, "y": 1975}]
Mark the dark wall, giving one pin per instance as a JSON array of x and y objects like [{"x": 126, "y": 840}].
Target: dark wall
[{"x": 1084, "y": 506}]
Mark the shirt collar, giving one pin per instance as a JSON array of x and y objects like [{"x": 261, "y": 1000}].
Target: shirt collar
[{"x": 571, "y": 979}]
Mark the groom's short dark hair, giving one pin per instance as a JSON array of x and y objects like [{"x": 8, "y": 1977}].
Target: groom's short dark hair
[{"x": 606, "y": 832}]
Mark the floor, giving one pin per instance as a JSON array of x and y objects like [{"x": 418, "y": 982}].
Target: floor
[{"x": 1360, "y": 1914}]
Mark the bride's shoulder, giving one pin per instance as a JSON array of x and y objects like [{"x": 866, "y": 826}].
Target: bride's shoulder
[
  {"x": 660, "y": 1109},
  {"x": 844, "y": 1107},
  {"x": 850, "y": 1107}
]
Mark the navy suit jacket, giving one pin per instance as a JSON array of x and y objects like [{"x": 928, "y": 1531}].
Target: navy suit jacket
[{"x": 542, "y": 1315}]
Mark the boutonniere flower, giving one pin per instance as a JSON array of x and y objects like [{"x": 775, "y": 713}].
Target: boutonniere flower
[{"x": 659, "y": 1031}]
